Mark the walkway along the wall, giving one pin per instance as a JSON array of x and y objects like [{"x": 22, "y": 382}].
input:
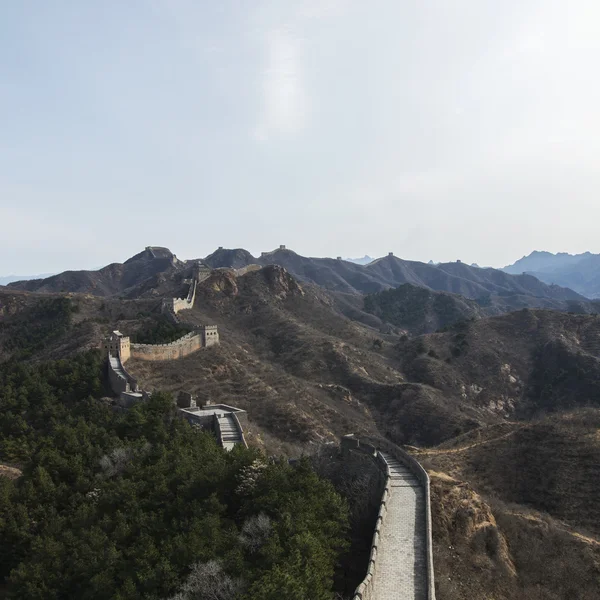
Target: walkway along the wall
[
  {"x": 401, "y": 560},
  {"x": 225, "y": 421},
  {"x": 120, "y": 379}
]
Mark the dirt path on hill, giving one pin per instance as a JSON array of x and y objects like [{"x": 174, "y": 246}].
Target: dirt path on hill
[{"x": 468, "y": 447}]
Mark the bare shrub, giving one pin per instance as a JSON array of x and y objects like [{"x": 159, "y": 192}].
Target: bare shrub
[
  {"x": 255, "y": 532},
  {"x": 208, "y": 581},
  {"x": 249, "y": 475},
  {"x": 116, "y": 462}
]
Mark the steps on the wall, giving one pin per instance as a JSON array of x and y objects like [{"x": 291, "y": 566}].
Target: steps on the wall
[{"x": 230, "y": 434}]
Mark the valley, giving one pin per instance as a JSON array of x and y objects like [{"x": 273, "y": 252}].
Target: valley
[{"x": 499, "y": 405}]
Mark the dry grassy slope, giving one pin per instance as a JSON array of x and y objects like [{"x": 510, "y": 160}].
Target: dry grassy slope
[
  {"x": 540, "y": 516},
  {"x": 92, "y": 318},
  {"x": 491, "y": 551},
  {"x": 513, "y": 365},
  {"x": 285, "y": 345},
  {"x": 552, "y": 465}
]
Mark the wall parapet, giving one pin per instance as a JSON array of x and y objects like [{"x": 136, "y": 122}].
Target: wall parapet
[
  {"x": 217, "y": 427},
  {"x": 177, "y": 342},
  {"x": 185, "y": 345},
  {"x": 174, "y": 305},
  {"x": 238, "y": 426}
]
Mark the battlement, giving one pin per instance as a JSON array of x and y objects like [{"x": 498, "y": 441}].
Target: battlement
[
  {"x": 185, "y": 345},
  {"x": 120, "y": 346},
  {"x": 117, "y": 344}
]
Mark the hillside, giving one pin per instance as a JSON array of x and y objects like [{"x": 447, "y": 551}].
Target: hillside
[
  {"x": 282, "y": 339},
  {"x": 152, "y": 272},
  {"x": 391, "y": 271},
  {"x": 5, "y": 280},
  {"x": 114, "y": 279},
  {"x": 306, "y": 374},
  {"x": 545, "y": 261},
  {"x": 43, "y": 326},
  {"x": 419, "y": 310},
  {"x": 235, "y": 259},
  {"x": 580, "y": 272},
  {"x": 515, "y": 365},
  {"x": 515, "y": 509}
]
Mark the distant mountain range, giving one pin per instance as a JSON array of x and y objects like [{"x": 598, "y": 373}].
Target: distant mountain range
[
  {"x": 155, "y": 270},
  {"x": 5, "y": 280},
  {"x": 365, "y": 260},
  {"x": 390, "y": 271},
  {"x": 580, "y": 272}
]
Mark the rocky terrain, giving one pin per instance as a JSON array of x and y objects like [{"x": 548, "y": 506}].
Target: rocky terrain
[
  {"x": 531, "y": 528},
  {"x": 502, "y": 410}
]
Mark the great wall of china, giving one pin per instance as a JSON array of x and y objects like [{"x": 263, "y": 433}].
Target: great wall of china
[
  {"x": 225, "y": 421},
  {"x": 401, "y": 558}
]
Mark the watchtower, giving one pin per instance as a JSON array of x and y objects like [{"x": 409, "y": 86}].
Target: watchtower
[
  {"x": 210, "y": 335},
  {"x": 118, "y": 344}
]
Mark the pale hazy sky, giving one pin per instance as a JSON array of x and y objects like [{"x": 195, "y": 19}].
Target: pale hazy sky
[{"x": 439, "y": 129}]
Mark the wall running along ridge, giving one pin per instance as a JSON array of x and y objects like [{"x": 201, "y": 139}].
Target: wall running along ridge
[
  {"x": 120, "y": 380},
  {"x": 189, "y": 343},
  {"x": 365, "y": 591},
  {"x": 174, "y": 305}
]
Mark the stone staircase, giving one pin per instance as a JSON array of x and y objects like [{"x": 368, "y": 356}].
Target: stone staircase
[
  {"x": 401, "y": 571},
  {"x": 116, "y": 366},
  {"x": 229, "y": 434}
]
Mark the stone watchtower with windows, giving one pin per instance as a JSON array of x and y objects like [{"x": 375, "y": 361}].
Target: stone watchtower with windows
[{"x": 118, "y": 344}]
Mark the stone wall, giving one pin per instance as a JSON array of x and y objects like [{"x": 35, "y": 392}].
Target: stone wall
[
  {"x": 365, "y": 590},
  {"x": 247, "y": 269},
  {"x": 240, "y": 429},
  {"x": 118, "y": 383},
  {"x": 185, "y": 345},
  {"x": 421, "y": 474},
  {"x": 372, "y": 447},
  {"x": 174, "y": 305},
  {"x": 120, "y": 380}
]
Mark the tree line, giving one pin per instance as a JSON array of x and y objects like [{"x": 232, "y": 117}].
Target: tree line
[{"x": 139, "y": 504}]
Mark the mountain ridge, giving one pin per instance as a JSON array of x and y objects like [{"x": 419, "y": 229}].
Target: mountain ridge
[
  {"x": 307, "y": 374},
  {"x": 580, "y": 272},
  {"x": 155, "y": 268}
]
